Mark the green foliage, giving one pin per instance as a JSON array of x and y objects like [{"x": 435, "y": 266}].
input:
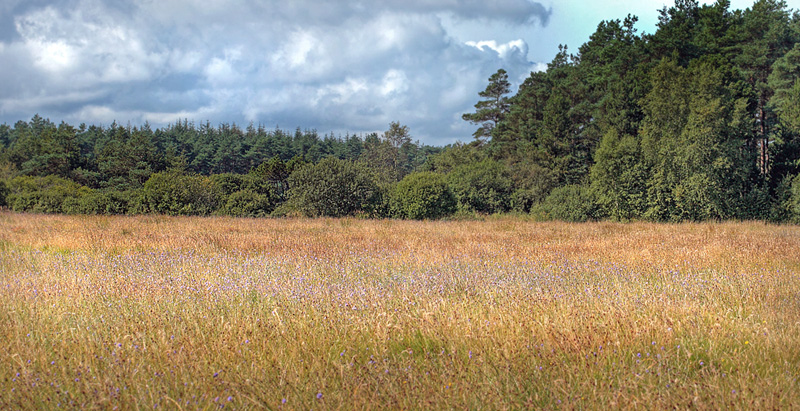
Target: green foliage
[
  {"x": 785, "y": 81},
  {"x": 248, "y": 203},
  {"x": 393, "y": 155},
  {"x": 483, "y": 187},
  {"x": 693, "y": 137},
  {"x": 453, "y": 156},
  {"x": 47, "y": 194},
  {"x": 794, "y": 200},
  {"x": 572, "y": 203},
  {"x": 173, "y": 193},
  {"x": 3, "y": 193},
  {"x": 229, "y": 183},
  {"x": 334, "y": 188},
  {"x": 493, "y": 109},
  {"x": 100, "y": 202},
  {"x": 423, "y": 195},
  {"x": 619, "y": 177},
  {"x": 273, "y": 172}
]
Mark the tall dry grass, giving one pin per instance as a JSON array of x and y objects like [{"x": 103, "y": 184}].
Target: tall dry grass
[{"x": 202, "y": 313}]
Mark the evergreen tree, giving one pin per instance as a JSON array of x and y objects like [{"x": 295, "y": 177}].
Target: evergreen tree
[{"x": 493, "y": 109}]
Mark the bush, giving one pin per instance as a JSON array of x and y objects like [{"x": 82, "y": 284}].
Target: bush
[
  {"x": 99, "y": 202},
  {"x": 794, "y": 200},
  {"x": 333, "y": 188},
  {"x": 44, "y": 194},
  {"x": 174, "y": 193},
  {"x": 247, "y": 203},
  {"x": 228, "y": 183},
  {"x": 424, "y": 195},
  {"x": 483, "y": 187},
  {"x": 572, "y": 203},
  {"x": 524, "y": 200},
  {"x": 3, "y": 193}
]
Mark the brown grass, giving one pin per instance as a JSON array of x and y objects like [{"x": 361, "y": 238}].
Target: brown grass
[{"x": 188, "y": 313}]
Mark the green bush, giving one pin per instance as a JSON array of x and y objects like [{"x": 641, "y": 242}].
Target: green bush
[
  {"x": 99, "y": 202},
  {"x": 572, "y": 203},
  {"x": 524, "y": 200},
  {"x": 3, "y": 193},
  {"x": 794, "y": 200},
  {"x": 174, "y": 193},
  {"x": 228, "y": 183},
  {"x": 44, "y": 194},
  {"x": 483, "y": 187},
  {"x": 333, "y": 188},
  {"x": 423, "y": 195},
  {"x": 247, "y": 203}
]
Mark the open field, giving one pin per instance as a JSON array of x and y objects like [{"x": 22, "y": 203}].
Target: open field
[{"x": 194, "y": 313}]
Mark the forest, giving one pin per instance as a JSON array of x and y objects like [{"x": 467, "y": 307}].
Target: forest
[{"x": 697, "y": 121}]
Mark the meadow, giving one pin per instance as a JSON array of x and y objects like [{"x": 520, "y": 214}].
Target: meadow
[{"x": 206, "y": 313}]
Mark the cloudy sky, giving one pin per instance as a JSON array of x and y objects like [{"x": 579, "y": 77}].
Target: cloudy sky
[{"x": 335, "y": 66}]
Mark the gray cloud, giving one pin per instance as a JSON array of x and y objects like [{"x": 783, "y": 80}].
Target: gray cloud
[{"x": 353, "y": 66}]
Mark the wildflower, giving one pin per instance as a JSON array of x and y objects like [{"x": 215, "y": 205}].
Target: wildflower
[{"x": 319, "y": 395}]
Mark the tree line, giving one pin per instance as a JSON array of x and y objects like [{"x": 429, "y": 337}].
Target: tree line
[{"x": 698, "y": 121}]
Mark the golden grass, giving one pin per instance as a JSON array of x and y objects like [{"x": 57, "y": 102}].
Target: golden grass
[{"x": 202, "y": 313}]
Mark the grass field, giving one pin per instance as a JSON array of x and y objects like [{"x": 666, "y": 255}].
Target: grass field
[{"x": 207, "y": 313}]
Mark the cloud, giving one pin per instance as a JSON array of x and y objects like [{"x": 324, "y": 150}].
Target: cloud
[{"x": 335, "y": 66}]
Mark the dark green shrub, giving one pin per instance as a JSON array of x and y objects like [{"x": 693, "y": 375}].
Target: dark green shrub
[
  {"x": 333, "y": 188},
  {"x": 483, "y": 187},
  {"x": 43, "y": 194},
  {"x": 794, "y": 200},
  {"x": 99, "y": 202},
  {"x": 179, "y": 194},
  {"x": 524, "y": 200},
  {"x": 3, "y": 193},
  {"x": 571, "y": 203},
  {"x": 423, "y": 195},
  {"x": 247, "y": 203},
  {"x": 228, "y": 183}
]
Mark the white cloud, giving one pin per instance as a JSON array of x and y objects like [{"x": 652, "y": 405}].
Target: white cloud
[
  {"x": 395, "y": 82},
  {"x": 503, "y": 50},
  {"x": 331, "y": 65},
  {"x": 83, "y": 48}
]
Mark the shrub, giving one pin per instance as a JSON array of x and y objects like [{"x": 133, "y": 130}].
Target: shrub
[
  {"x": 228, "y": 183},
  {"x": 333, "y": 188},
  {"x": 572, "y": 203},
  {"x": 794, "y": 200},
  {"x": 247, "y": 203},
  {"x": 484, "y": 186},
  {"x": 174, "y": 193},
  {"x": 43, "y": 194},
  {"x": 3, "y": 193},
  {"x": 423, "y": 195},
  {"x": 99, "y": 202}
]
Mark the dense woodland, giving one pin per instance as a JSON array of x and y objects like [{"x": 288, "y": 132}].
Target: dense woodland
[{"x": 697, "y": 121}]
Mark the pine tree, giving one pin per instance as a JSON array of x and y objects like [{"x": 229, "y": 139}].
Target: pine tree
[{"x": 492, "y": 110}]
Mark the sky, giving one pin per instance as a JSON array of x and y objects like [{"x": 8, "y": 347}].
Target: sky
[{"x": 334, "y": 66}]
